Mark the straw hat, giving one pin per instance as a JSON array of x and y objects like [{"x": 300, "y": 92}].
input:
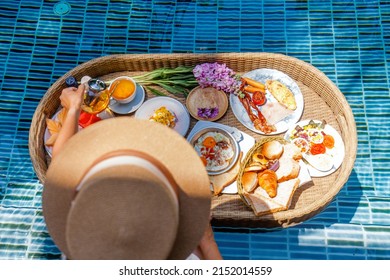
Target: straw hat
[{"x": 126, "y": 189}]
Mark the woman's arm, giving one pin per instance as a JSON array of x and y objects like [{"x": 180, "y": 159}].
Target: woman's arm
[
  {"x": 208, "y": 247},
  {"x": 71, "y": 99}
]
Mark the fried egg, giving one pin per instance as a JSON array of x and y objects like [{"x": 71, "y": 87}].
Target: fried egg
[
  {"x": 217, "y": 157},
  {"x": 164, "y": 116}
]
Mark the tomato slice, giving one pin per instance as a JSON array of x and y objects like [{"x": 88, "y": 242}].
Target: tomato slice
[{"x": 258, "y": 98}]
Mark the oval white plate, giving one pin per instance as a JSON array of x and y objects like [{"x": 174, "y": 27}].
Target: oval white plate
[
  {"x": 149, "y": 106},
  {"x": 338, "y": 151},
  {"x": 262, "y": 75}
]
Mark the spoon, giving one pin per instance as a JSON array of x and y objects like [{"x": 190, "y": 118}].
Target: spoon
[{"x": 321, "y": 162}]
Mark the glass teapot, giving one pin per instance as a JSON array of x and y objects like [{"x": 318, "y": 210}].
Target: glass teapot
[{"x": 96, "y": 96}]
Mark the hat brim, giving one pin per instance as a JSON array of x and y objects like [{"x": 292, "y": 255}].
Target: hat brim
[{"x": 167, "y": 146}]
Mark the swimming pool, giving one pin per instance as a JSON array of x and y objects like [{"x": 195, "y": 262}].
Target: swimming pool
[{"x": 348, "y": 40}]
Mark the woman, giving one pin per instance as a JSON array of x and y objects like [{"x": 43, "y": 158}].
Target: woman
[{"x": 72, "y": 99}]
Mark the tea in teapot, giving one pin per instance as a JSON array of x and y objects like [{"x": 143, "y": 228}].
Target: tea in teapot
[{"x": 96, "y": 97}]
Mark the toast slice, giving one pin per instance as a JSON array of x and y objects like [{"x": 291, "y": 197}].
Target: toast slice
[
  {"x": 288, "y": 169},
  {"x": 286, "y": 190},
  {"x": 221, "y": 181},
  {"x": 262, "y": 204}
]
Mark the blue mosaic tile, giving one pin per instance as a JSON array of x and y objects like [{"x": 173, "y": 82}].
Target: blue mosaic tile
[{"x": 347, "y": 40}]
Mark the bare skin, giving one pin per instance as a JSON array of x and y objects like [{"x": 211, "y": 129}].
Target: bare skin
[
  {"x": 71, "y": 99},
  {"x": 208, "y": 248}
]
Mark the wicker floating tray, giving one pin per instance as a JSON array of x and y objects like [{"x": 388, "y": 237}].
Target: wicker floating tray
[{"x": 323, "y": 100}]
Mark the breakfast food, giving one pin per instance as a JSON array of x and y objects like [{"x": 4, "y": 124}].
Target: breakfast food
[
  {"x": 54, "y": 127},
  {"x": 268, "y": 101},
  {"x": 252, "y": 85},
  {"x": 262, "y": 204},
  {"x": 249, "y": 181},
  {"x": 164, "y": 116},
  {"x": 215, "y": 150},
  {"x": 302, "y": 144},
  {"x": 277, "y": 179},
  {"x": 281, "y": 93},
  {"x": 291, "y": 151},
  {"x": 289, "y": 169},
  {"x": 268, "y": 181},
  {"x": 272, "y": 149},
  {"x": 221, "y": 181},
  {"x": 274, "y": 112},
  {"x": 317, "y": 146}
]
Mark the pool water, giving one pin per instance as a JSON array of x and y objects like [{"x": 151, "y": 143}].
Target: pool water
[{"x": 348, "y": 40}]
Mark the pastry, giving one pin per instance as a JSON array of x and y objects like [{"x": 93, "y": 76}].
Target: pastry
[
  {"x": 281, "y": 93},
  {"x": 268, "y": 181}
]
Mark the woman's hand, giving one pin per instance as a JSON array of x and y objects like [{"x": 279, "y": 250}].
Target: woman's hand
[
  {"x": 72, "y": 98},
  {"x": 208, "y": 247}
]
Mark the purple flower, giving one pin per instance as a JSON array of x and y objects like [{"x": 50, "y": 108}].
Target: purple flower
[
  {"x": 218, "y": 76},
  {"x": 208, "y": 113}
]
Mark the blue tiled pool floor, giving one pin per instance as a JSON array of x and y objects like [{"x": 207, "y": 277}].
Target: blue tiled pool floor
[{"x": 348, "y": 40}]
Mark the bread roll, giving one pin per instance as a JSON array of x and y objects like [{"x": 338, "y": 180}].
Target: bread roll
[
  {"x": 255, "y": 167},
  {"x": 249, "y": 181},
  {"x": 272, "y": 149}
]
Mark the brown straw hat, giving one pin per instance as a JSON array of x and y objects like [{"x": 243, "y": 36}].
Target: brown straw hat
[{"x": 126, "y": 189}]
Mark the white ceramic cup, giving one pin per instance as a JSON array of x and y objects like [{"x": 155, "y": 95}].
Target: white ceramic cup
[{"x": 121, "y": 95}]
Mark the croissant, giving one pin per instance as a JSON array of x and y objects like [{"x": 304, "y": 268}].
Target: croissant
[
  {"x": 62, "y": 115},
  {"x": 268, "y": 181},
  {"x": 52, "y": 139},
  {"x": 53, "y": 126}
]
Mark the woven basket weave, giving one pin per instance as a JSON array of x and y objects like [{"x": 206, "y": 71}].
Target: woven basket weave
[
  {"x": 256, "y": 148},
  {"x": 323, "y": 100}
]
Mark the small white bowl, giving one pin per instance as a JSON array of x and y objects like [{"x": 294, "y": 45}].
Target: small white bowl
[{"x": 116, "y": 83}]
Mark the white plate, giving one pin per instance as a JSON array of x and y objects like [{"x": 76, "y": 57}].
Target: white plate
[
  {"x": 106, "y": 114},
  {"x": 149, "y": 106},
  {"x": 130, "y": 107},
  {"x": 337, "y": 153},
  {"x": 244, "y": 140},
  {"x": 262, "y": 75}
]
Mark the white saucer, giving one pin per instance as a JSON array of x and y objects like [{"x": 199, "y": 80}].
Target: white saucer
[{"x": 130, "y": 107}]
